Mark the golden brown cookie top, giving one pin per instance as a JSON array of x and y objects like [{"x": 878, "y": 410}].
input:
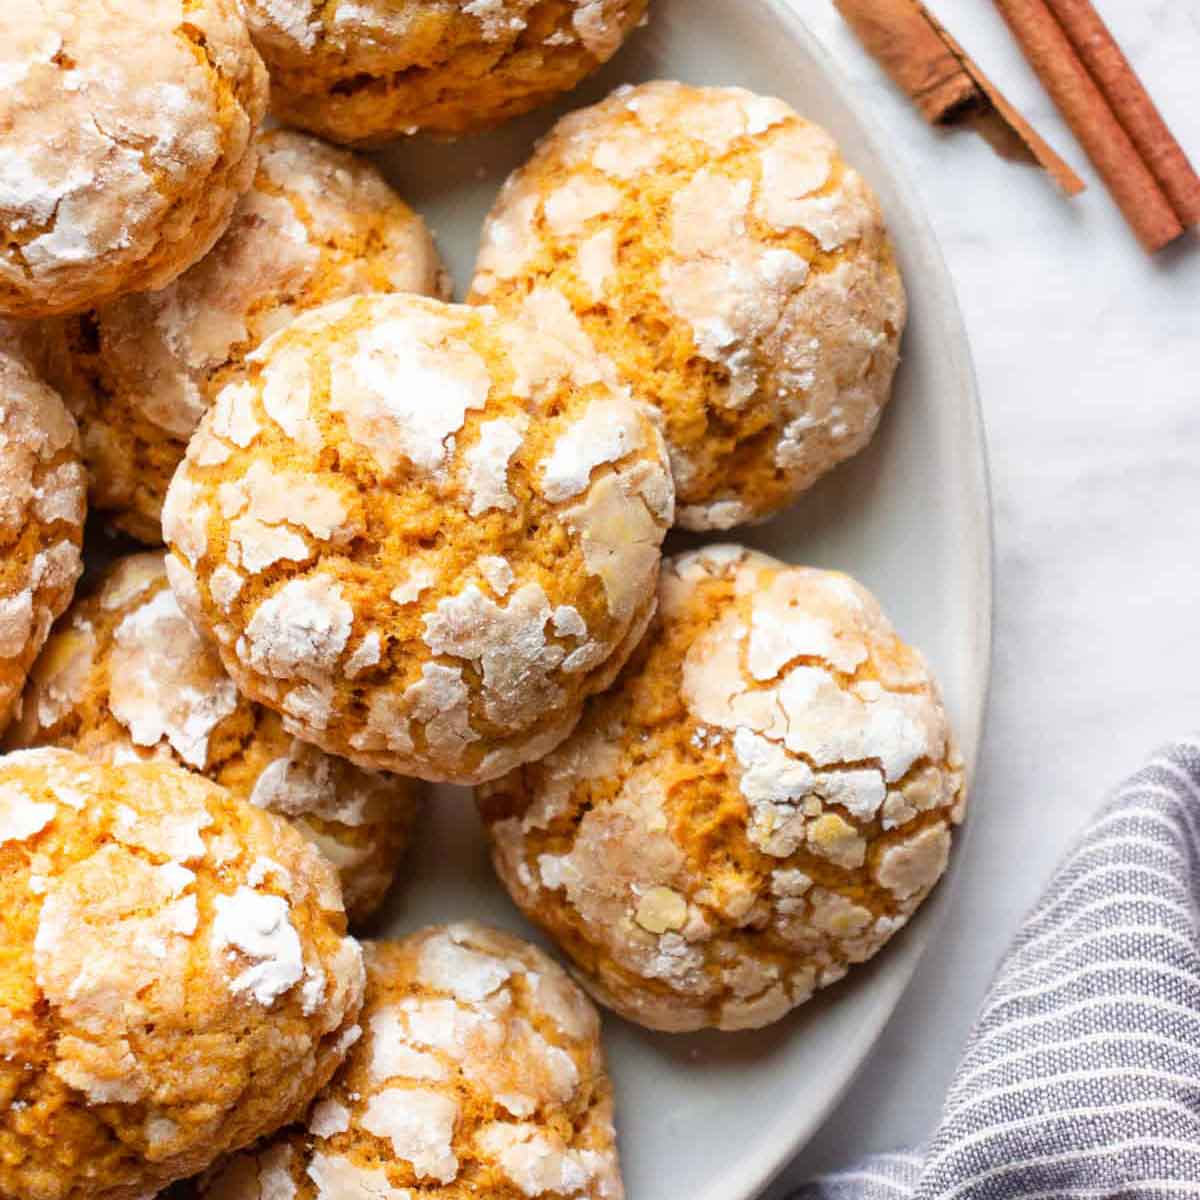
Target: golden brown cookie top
[
  {"x": 376, "y": 27},
  {"x": 736, "y": 270},
  {"x": 176, "y": 980},
  {"x": 42, "y": 508},
  {"x": 125, "y": 675},
  {"x": 480, "y": 1072},
  {"x": 764, "y": 798},
  {"x": 318, "y": 224},
  {"x": 422, "y": 532},
  {"x": 373, "y": 69},
  {"x": 114, "y": 122}
]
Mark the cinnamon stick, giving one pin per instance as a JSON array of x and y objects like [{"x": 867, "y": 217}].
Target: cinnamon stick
[
  {"x": 1132, "y": 105},
  {"x": 1044, "y": 155},
  {"x": 940, "y": 77},
  {"x": 1083, "y": 105},
  {"x": 904, "y": 42}
]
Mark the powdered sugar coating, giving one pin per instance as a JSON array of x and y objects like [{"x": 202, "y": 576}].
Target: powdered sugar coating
[
  {"x": 479, "y": 1073},
  {"x": 42, "y": 506},
  {"x": 157, "y": 1003},
  {"x": 125, "y": 675},
  {"x": 318, "y": 224},
  {"x": 369, "y": 70},
  {"x": 765, "y": 798},
  {"x": 734, "y": 269},
  {"x": 127, "y": 143},
  {"x": 467, "y": 546},
  {"x": 257, "y": 927}
]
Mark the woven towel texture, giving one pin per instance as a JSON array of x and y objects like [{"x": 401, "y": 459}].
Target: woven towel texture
[{"x": 1081, "y": 1077}]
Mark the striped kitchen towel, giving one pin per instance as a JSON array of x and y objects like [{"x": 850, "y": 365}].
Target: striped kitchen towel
[{"x": 1081, "y": 1076}]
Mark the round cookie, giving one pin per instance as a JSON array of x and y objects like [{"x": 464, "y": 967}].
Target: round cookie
[
  {"x": 175, "y": 981},
  {"x": 317, "y": 225},
  {"x": 762, "y": 800},
  {"x": 125, "y": 675},
  {"x": 372, "y": 70},
  {"x": 480, "y": 1074},
  {"x": 422, "y": 533},
  {"x": 719, "y": 251},
  {"x": 128, "y": 138},
  {"x": 42, "y": 506}
]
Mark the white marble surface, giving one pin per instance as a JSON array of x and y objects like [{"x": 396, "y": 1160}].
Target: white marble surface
[{"x": 1088, "y": 356}]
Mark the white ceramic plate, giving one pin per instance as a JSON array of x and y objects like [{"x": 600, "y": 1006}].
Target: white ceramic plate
[{"x": 713, "y": 1117}]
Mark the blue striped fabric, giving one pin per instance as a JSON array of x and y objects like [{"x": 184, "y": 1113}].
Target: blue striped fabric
[{"x": 1082, "y": 1074}]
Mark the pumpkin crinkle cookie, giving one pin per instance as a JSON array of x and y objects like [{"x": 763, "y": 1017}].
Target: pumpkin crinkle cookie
[
  {"x": 734, "y": 267},
  {"x": 374, "y": 69},
  {"x": 422, "y": 533},
  {"x": 762, "y": 800},
  {"x": 42, "y": 506},
  {"x": 125, "y": 675},
  {"x": 127, "y": 139},
  {"x": 317, "y": 225},
  {"x": 175, "y": 979},
  {"x": 480, "y": 1073}
]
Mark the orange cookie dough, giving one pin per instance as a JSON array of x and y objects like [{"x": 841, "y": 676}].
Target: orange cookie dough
[
  {"x": 763, "y": 799},
  {"x": 369, "y": 70},
  {"x": 719, "y": 251},
  {"x": 125, "y": 675},
  {"x": 42, "y": 502},
  {"x": 423, "y": 533},
  {"x": 127, "y": 140},
  {"x": 480, "y": 1074},
  {"x": 175, "y": 979},
  {"x": 317, "y": 225}
]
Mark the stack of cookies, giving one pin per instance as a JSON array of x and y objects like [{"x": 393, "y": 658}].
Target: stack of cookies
[{"x": 346, "y": 537}]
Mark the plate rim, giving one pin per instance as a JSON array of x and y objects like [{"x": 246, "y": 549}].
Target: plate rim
[{"x": 787, "y": 1136}]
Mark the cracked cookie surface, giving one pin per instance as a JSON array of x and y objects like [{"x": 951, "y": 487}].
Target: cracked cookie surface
[
  {"x": 317, "y": 225},
  {"x": 42, "y": 507},
  {"x": 423, "y": 533},
  {"x": 176, "y": 981},
  {"x": 718, "y": 249},
  {"x": 375, "y": 69},
  {"x": 762, "y": 800},
  {"x": 125, "y": 675},
  {"x": 480, "y": 1073},
  {"x": 128, "y": 138}
]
